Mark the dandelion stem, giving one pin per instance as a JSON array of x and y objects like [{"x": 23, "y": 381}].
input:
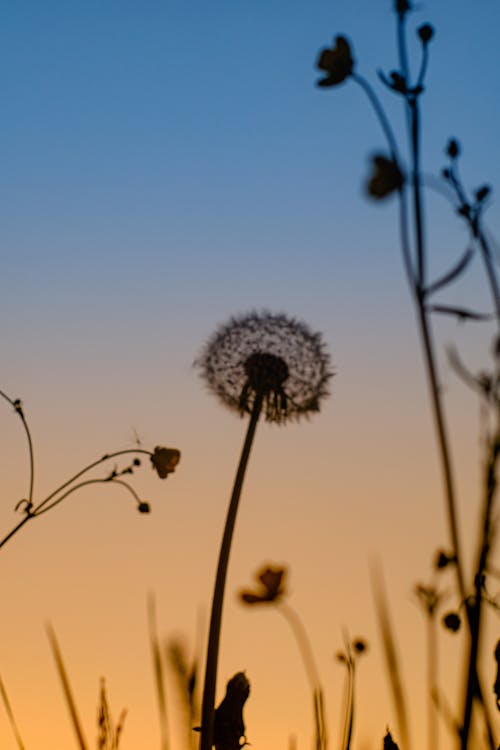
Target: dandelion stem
[{"x": 208, "y": 704}]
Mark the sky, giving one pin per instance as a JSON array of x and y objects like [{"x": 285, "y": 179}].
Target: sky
[{"x": 166, "y": 165}]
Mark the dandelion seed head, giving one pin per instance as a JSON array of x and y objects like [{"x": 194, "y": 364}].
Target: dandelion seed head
[{"x": 271, "y": 354}]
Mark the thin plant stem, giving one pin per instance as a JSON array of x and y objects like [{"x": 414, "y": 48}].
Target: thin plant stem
[
  {"x": 380, "y": 114},
  {"x": 19, "y": 410},
  {"x": 306, "y": 653},
  {"x": 443, "y": 443},
  {"x": 347, "y": 729},
  {"x": 209, "y": 686},
  {"x": 393, "y": 148},
  {"x": 85, "y": 484},
  {"x": 32, "y": 512},
  {"x": 158, "y": 672},
  {"x": 475, "y": 609},
  {"x": 432, "y": 679},
  {"x": 490, "y": 271}
]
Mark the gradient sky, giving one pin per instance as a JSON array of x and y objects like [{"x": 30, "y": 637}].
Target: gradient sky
[{"x": 165, "y": 165}]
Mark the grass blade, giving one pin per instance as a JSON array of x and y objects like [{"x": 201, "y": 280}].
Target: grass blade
[
  {"x": 10, "y": 714},
  {"x": 391, "y": 657},
  {"x": 66, "y": 688},
  {"x": 158, "y": 672}
]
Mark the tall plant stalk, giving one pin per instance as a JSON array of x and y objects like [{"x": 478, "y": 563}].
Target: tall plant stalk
[
  {"x": 209, "y": 686},
  {"x": 338, "y": 64}
]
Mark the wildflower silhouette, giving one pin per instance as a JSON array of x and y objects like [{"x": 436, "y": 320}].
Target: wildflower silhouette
[
  {"x": 348, "y": 657},
  {"x": 388, "y": 177},
  {"x": 337, "y": 62},
  {"x": 164, "y": 460},
  {"x": 385, "y": 179},
  {"x": 271, "y": 590},
  {"x": 256, "y": 364}
]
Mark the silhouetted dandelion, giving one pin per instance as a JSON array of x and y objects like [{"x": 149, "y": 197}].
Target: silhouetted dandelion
[
  {"x": 271, "y": 356},
  {"x": 256, "y": 363}
]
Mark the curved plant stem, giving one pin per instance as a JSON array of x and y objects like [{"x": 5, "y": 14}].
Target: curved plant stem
[
  {"x": 475, "y": 609},
  {"x": 432, "y": 679},
  {"x": 208, "y": 704},
  {"x": 32, "y": 512},
  {"x": 393, "y": 149},
  {"x": 443, "y": 443},
  {"x": 18, "y": 408},
  {"x": 490, "y": 271},
  {"x": 85, "y": 484},
  {"x": 380, "y": 114},
  {"x": 306, "y": 652},
  {"x": 349, "y": 719}
]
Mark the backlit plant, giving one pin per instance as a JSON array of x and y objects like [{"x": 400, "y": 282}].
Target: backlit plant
[
  {"x": 163, "y": 461},
  {"x": 256, "y": 364},
  {"x": 392, "y": 174}
]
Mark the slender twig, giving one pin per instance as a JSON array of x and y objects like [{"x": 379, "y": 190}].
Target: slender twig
[
  {"x": 393, "y": 149},
  {"x": 84, "y": 484},
  {"x": 475, "y": 608},
  {"x": 208, "y": 703},
  {"x": 490, "y": 270},
  {"x": 31, "y": 512},
  {"x": 16, "y": 404},
  {"x": 432, "y": 678}
]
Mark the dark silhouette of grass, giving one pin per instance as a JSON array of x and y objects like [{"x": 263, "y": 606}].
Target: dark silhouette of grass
[
  {"x": 68, "y": 694},
  {"x": 10, "y": 715}
]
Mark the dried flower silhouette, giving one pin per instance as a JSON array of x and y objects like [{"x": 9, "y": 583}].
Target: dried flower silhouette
[
  {"x": 271, "y": 590},
  {"x": 270, "y": 355},
  {"x": 271, "y": 587},
  {"x": 256, "y": 363},
  {"x": 164, "y": 461},
  {"x": 385, "y": 179},
  {"x": 337, "y": 62}
]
